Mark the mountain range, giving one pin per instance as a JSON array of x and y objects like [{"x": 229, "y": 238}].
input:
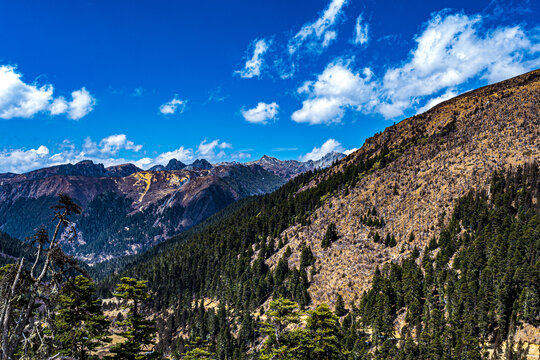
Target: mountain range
[
  {"x": 288, "y": 169},
  {"x": 127, "y": 209}
]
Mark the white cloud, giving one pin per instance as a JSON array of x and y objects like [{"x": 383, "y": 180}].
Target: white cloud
[
  {"x": 89, "y": 146},
  {"x": 319, "y": 34},
  {"x": 451, "y": 93},
  {"x": 329, "y": 36},
  {"x": 18, "y": 99},
  {"x": 109, "y": 145},
  {"x": 253, "y": 66},
  {"x": 182, "y": 154},
  {"x": 114, "y": 143},
  {"x": 22, "y": 160},
  {"x": 225, "y": 145},
  {"x": 81, "y": 104},
  {"x": 262, "y": 113},
  {"x": 173, "y": 106},
  {"x": 318, "y": 152},
  {"x": 335, "y": 90},
  {"x": 349, "y": 151},
  {"x": 452, "y": 50},
  {"x": 107, "y": 150},
  {"x": 207, "y": 150},
  {"x": 361, "y": 32},
  {"x": 323, "y": 110},
  {"x": 59, "y": 106}
]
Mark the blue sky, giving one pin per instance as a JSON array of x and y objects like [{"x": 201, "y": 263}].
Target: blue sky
[{"x": 145, "y": 81}]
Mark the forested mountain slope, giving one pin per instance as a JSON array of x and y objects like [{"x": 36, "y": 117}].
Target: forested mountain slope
[
  {"x": 323, "y": 234},
  {"x": 476, "y": 289},
  {"x": 11, "y": 249},
  {"x": 431, "y": 160}
]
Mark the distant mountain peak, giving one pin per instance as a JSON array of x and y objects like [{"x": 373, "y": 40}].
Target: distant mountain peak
[
  {"x": 157, "y": 168},
  {"x": 201, "y": 164},
  {"x": 122, "y": 170},
  {"x": 175, "y": 165},
  {"x": 287, "y": 169},
  {"x": 85, "y": 163},
  {"x": 328, "y": 159},
  {"x": 265, "y": 159}
]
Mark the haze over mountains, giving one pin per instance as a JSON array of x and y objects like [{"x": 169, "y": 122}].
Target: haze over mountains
[{"x": 128, "y": 209}]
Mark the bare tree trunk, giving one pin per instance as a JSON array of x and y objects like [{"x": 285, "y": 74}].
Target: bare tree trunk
[
  {"x": 11, "y": 339},
  {"x": 6, "y": 316}
]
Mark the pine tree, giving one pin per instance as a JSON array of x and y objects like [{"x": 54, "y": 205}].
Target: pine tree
[
  {"x": 322, "y": 326},
  {"x": 282, "y": 343},
  {"x": 340, "y": 306},
  {"x": 306, "y": 257},
  {"x": 23, "y": 286},
  {"x": 198, "y": 350},
  {"x": 330, "y": 236},
  {"x": 79, "y": 324},
  {"x": 139, "y": 332}
]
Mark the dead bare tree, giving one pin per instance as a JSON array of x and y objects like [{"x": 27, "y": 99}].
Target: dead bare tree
[{"x": 23, "y": 290}]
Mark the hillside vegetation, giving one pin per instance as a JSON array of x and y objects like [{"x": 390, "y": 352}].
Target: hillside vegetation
[
  {"x": 431, "y": 160},
  {"x": 321, "y": 237}
]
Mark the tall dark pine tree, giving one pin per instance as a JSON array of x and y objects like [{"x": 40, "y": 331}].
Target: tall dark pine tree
[
  {"x": 330, "y": 236},
  {"x": 79, "y": 324},
  {"x": 340, "y": 306},
  {"x": 323, "y": 329},
  {"x": 139, "y": 332}
]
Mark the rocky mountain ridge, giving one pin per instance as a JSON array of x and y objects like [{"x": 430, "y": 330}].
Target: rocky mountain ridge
[
  {"x": 288, "y": 169},
  {"x": 142, "y": 207}
]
